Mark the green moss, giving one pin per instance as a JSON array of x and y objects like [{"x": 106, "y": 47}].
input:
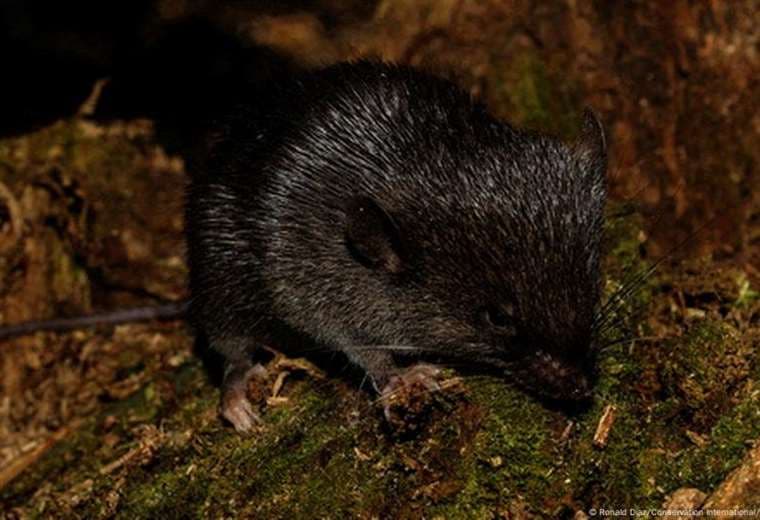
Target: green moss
[
  {"x": 232, "y": 472},
  {"x": 704, "y": 368},
  {"x": 68, "y": 280},
  {"x": 531, "y": 93},
  {"x": 747, "y": 295},
  {"x": 58, "y": 465},
  {"x": 704, "y": 467},
  {"x": 624, "y": 265},
  {"x": 712, "y": 372},
  {"x": 222, "y": 473},
  {"x": 511, "y": 456},
  {"x": 321, "y": 455}
]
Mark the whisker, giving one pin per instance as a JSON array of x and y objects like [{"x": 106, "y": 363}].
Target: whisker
[
  {"x": 327, "y": 348},
  {"x": 399, "y": 348},
  {"x": 635, "y": 282},
  {"x": 613, "y": 320},
  {"x": 364, "y": 380},
  {"x": 617, "y": 341},
  {"x": 629, "y": 286}
]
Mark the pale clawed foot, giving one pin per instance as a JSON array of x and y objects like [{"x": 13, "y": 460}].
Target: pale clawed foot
[
  {"x": 235, "y": 405},
  {"x": 407, "y": 394}
]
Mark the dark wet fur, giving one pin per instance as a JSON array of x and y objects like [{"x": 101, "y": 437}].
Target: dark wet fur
[{"x": 370, "y": 204}]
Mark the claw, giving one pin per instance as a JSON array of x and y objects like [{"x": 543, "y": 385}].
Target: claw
[{"x": 239, "y": 411}]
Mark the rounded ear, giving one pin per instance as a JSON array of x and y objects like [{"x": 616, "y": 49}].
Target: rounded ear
[
  {"x": 372, "y": 236},
  {"x": 591, "y": 144}
]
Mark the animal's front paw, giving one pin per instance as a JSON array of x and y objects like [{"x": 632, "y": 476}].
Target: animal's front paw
[
  {"x": 235, "y": 405},
  {"x": 407, "y": 396}
]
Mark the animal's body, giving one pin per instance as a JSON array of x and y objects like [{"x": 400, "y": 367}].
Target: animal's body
[{"x": 378, "y": 210}]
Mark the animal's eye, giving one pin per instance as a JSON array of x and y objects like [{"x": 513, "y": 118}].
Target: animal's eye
[{"x": 498, "y": 316}]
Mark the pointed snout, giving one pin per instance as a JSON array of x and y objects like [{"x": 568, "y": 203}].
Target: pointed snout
[{"x": 559, "y": 378}]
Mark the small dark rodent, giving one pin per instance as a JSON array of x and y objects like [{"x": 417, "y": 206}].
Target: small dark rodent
[{"x": 378, "y": 210}]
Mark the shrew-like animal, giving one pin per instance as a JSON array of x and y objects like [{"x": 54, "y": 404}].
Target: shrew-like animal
[{"x": 379, "y": 211}]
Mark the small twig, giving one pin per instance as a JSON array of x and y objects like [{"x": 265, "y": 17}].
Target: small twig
[
  {"x": 300, "y": 364},
  {"x": 152, "y": 439},
  {"x": 90, "y": 104},
  {"x": 566, "y": 432},
  {"x": 604, "y": 426},
  {"x": 277, "y": 386},
  {"x": 28, "y": 459},
  {"x": 14, "y": 217}
]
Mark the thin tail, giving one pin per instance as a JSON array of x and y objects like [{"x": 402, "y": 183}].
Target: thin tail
[{"x": 164, "y": 312}]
